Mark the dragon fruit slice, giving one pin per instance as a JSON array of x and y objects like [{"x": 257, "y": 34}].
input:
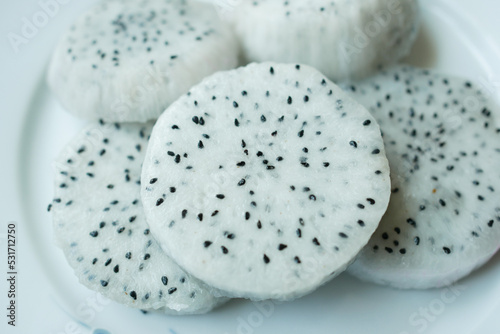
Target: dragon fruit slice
[
  {"x": 344, "y": 39},
  {"x": 265, "y": 181},
  {"x": 127, "y": 60},
  {"x": 100, "y": 225},
  {"x": 443, "y": 147}
]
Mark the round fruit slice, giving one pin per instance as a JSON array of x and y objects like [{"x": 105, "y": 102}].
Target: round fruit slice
[
  {"x": 127, "y": 60},
  {"x": 344, "y": 39},
  {"x": 100, "y": 225},
  {"x": 266, "y": 181},
  {"x": 443, "y": 147}
]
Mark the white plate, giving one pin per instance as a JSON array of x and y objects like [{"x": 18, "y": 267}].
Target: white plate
[{"x": 456, "y": 38}]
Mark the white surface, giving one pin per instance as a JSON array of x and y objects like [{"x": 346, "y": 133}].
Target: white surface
[{"x": 459, "y": 37}]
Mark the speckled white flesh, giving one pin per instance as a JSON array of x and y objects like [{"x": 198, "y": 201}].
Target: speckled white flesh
[
  {"x": 100, "y": 225},
  {"x": 343, "y": 39},
  {"x": 265, "y": 181},
  {"x": 443, "y": 147},
  {"x": 127, "y": 60}
]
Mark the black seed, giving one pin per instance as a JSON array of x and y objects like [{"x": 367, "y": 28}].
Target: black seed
[
  {"x": 326, "y": 164},
  {"x": 94, "y": 234},
  {"x": 200, "y": 145},
  {"x": 128, "y": 255},
  {"x": 361, "y": 206},
  {"x": 417, "y": 241},
  {"x": 385, "y": 236},
  {"x": 446, "y": 250},
  {"x": 301, "y": 133},
  {"x": 132, "y": 219},
  {"x": 388, "y": 250},
  {"x": 200, "y": 217},
  {"x": 259, "y": 225},
  {"x": 361, "y": 223},
  {"x": 299, "y": 233},
  {"x": 108, "y": 261},
  {"x": 271, "y": 70},
  {"x": 133, "y": 294},
  {"x": 171, "y": 290},
  {"x": 247, "y": 215},
  {"x": 120, "y": 230},
  {"x": 367, "y": 122},
  {"x": 116, "y": 269},
  {"x": 402, "y": 251},
  {"x": 159, "y": 201},
  {"x": 289, "y": 100},
  {"x": 196, "y": 120},
  {"x": 270, "y": 167},
  {"x": 490, "y": 223},
  {"x": 411, "y": 222},
  {"x": 94, "y": 261},
  {"x": 104, "y": 283},
  {"x": 376, "y": 151},
  {"x": 215, "y": 213},
  {"x": 172, "y": 189},
  {"x": 241, "y": 182},
  {"x": 266, "y": 259},
  {"x": 442, "y": 202},
  {"x": 177, "y": 158},
  {"x": 220, "y": 196},
  {"x": 207, "y": 244},
  {"x": 224, "y": 250},
  {"x": 316, "y": 242},
  {"x": 343, "y": 235},
  {"x": 312, "y": 197},
  {"x": 371, "y": 201},
  {"x": 235, "y": 104},
  {"x": 147, "y": 256},
  {"x": 353, "y": 144},
  {"x": 164, "y": 280},
  {"x": 184, "y": 213},
  {"x": 282, "y": 246}
]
